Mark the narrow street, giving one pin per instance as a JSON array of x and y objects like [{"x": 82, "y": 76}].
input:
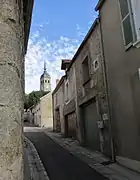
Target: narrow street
[{"x": 58, "y": 162}]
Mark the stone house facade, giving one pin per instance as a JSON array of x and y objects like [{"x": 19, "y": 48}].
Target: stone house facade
[
  {"x": 58, "y": 106},
  {"x": 121, "y": 48},
  {"x": 15, "y": 22},
  {"x": 85, "y": 107},
  {"x": 64, "y": 102},
  {"x": 69, "y": 110},
  {"x": 92, "y": 105}
]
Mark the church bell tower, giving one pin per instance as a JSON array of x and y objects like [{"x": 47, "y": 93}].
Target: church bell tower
[{"x": 45, "y": 81}]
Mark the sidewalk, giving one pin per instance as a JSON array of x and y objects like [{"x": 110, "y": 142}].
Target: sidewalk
[
  {"x": 95, "y": 160},
  {"x": 33, "y": 167}
]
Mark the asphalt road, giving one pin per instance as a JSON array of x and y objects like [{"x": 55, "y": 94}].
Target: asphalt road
[{"x": 58, "y": 162}]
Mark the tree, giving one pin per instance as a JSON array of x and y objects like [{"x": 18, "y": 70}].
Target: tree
[{"x": 33, "y": 98}]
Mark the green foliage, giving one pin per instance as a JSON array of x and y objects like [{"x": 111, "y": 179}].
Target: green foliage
[{"x": 33, "y": 98}]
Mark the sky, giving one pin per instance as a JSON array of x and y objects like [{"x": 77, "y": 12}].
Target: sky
[{"x": 58, "y": 28}]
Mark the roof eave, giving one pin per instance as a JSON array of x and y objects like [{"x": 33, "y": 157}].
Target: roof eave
[
  {"x": 59, "y": 84},
  {"x": 83, "y": 42},
  {"x": 27, "y": 10},
  {"x": 99, "y": 5}
]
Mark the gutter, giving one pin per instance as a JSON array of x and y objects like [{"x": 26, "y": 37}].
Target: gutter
[
  {"x": 99, "y": 5},
  {"x": 27, "y": 11}
]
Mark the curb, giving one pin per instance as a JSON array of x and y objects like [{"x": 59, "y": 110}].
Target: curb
[{"x": 37, "y": 162}]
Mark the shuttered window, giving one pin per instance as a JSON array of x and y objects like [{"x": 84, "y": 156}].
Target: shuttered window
[{"x": 126, "y": 21}]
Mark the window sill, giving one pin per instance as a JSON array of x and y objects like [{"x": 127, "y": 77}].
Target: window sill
[
  {"x": 128, "y": 46},
  {"x": 137, "y": 44}
]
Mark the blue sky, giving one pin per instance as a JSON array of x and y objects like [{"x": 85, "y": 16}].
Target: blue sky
[{"x": 58, "y": 27}]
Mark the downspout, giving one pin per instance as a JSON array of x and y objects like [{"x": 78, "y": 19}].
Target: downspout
[{"x": 106, "y": 88}]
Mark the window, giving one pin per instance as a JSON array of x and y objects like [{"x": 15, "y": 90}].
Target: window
[
  {"x": 126, "y": 22},
  {"x": 85, "y": 67},
  {"x": 45, "y": 81},
  {"x": 136, "y": 14},
  {"x": 67, "y": 91},
  {"x": 48, "y": 81}
]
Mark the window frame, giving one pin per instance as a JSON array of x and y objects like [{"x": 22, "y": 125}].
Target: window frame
[
  {"x": 130, "y": 14},
  {"x": 83, "y": 78},
  {"x": 136, "y": 25},
  {"x": 67, "y": 99}
]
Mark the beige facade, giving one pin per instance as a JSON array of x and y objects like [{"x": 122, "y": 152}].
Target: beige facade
[
  {"x": 15, "y": 18},
  {"x": 122, "y": 61},
  {"x": 42, "y": 112}
]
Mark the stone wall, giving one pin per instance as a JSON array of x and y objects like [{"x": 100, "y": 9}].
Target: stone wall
[
  {"x": 95, "y": 88},
  {"x": 11, "y": 89},
  {"x": 92, "y": 49}
]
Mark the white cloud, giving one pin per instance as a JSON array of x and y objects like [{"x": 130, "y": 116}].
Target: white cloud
[{"x": 40, "y": 49}]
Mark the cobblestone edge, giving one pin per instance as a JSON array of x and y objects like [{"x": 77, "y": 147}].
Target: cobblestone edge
[{"x": 37, "y": 161}]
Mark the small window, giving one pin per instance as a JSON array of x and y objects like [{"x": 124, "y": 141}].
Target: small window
[
  {"x": 85, "y": 67},
  {"x": 66, "y": 91},
  {"x": 45, "y": 81},
  {"x": 48, "y": 81},
  {"x": 126, "y": 22}
]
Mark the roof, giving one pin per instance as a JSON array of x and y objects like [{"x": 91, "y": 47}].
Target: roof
[
  {"x": 46, "y": 95},
  {"x": 58, "y": 85},
  {"x": 84, "y": 41},
  {"x": 65, "y": 63},
  {"x": 27, "y": 9},
  {"x": 99, "y": 5},
  {"x": 77, "y": 53},
  {"x": 45, "y": 74}
]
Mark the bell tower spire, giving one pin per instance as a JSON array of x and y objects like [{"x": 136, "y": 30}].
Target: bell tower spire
[{"x": 44, "y": 66}]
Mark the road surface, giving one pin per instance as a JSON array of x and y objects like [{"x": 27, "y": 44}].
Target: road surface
[{"x": 58, "y": 162}]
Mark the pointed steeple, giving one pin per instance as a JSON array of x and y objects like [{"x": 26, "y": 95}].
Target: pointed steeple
[{"x": 44, "y": 66}]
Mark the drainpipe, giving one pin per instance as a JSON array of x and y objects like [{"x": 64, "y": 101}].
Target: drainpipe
[{"x": 106, "y": 87}]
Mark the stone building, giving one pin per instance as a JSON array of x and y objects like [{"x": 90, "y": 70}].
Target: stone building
[
  {"x": 120, "y": 29},
  {"x": 101, "y": 84},
  {"x": 82, "y": 95},
  {"x": 64, "y": 104},
  {"x": 58, "y": 105},
  {"x": 92, "y": 105},
  {"x": 15, "y": 22}
]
